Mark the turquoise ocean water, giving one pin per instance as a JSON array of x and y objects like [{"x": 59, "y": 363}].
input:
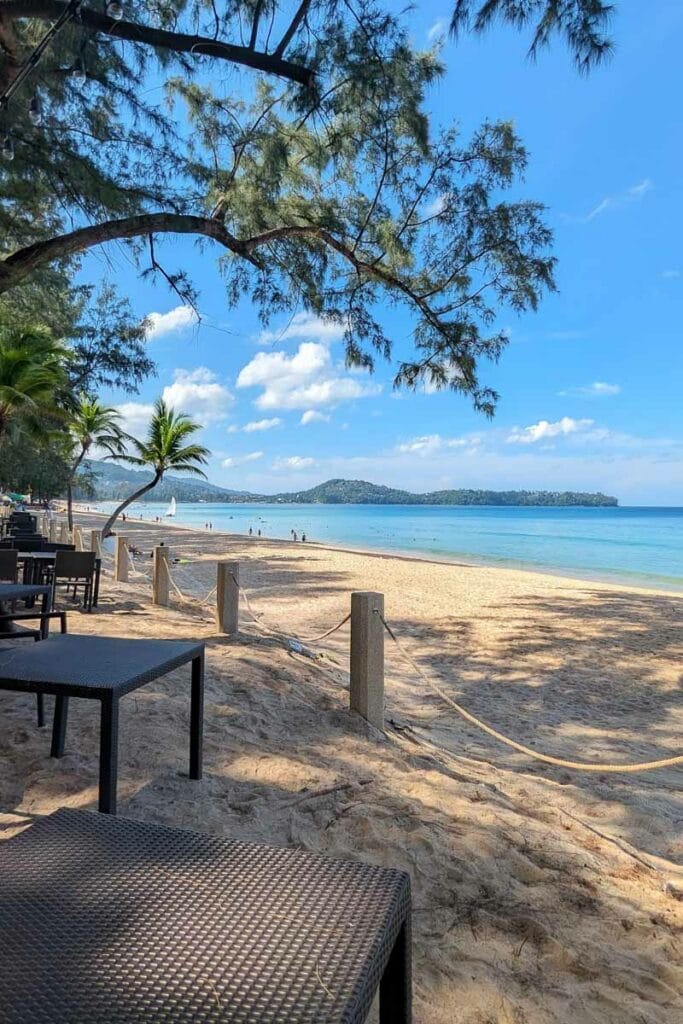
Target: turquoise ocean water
[{"x": 641, "y": 546}]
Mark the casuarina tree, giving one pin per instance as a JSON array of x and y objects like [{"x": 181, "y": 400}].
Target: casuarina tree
[{"x": 317, "y": 180}]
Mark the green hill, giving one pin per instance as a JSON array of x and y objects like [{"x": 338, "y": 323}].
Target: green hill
[{"x": 113, "y": 482}]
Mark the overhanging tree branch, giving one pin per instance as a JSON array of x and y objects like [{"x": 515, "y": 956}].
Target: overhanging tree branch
[
  {"x": 178, "y": 42},
  {"x": 21, "y": 263}
]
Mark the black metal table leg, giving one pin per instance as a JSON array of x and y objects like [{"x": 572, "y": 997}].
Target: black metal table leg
[
  {"x": 98, "y": 573},
  {"x": 109, "y": 743},
  {"x": 59, "y": 726},
  {"x": 197, "y": 718},
  {"x": 45, "y": 623},
  {"x": 395, "y": 988},
  {"x": 40, "y": 709}
]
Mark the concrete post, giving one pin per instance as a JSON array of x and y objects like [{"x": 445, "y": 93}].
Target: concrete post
[
  {"x": 52, "y": 531},
  {"x": 121, "y": 559},
  {"x": 227, "y": 597},
  {"x": 96, "y": 542},
  {"x": 63, "y": 532},
  {"x": 78, "y": 538},
  {"x": 160, "y": 576},
  {"x": 367, "y": 657}
]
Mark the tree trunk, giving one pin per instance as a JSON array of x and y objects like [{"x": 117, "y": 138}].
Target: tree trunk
[
  {"x": 107, "y": 528},
  {"x": 69, "y": 488}
]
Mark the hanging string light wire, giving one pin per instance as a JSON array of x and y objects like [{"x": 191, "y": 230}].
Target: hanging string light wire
[{"x": 69, "y": 12}]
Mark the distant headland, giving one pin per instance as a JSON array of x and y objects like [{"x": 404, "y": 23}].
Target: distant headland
[{"x": 111, "y": 482}]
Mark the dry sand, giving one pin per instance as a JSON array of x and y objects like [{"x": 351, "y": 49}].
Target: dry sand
[{"x": 540, "y": 894}]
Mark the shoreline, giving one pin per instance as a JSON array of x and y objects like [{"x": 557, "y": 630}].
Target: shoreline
[{"x": 615, "y": 581}]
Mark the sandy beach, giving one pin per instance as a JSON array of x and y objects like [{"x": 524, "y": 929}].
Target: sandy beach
[{"x": 542, "y": 895}]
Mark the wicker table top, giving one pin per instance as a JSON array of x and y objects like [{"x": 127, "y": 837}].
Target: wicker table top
[
  {"x": 20, "y": 591},
  {"x": 90, "y": 666},
  {"x": 105, "y": 920}
]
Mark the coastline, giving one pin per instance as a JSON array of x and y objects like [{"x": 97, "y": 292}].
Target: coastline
[
  {"x": 608, "y": 579},
  {"x": 541, "y": 893}
]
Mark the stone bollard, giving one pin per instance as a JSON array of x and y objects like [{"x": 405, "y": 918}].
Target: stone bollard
[
  {"x": 227, "y": 597},
  {"x": 121, "y": 559},
  {"x": 52, "y": 531},
  {"x": 96, "y": 542},
  {"x": 160, "y": 576},
  {"x": 367, "y": 657},
  {"x": 63, "y": 532},
  {"x": 78, "y": 538}
]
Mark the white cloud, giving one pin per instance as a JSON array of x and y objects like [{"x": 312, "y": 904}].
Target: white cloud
[
  {"x": 305, "y": 380},
  {"x": 256, "y": 426},
  {"x": 135, "y": 417},
  {"x": 429, "y": 444},
  {"x": 312, "y": 416},
  {"x": 304, "y": 326},
  {"x": 198, "y": 393},
  {"x": 671, "y": 275},
  {"x": 598, "y": 389},
  {"x": 293, "y": 462},
  {"x": 437, "y": 205},
  {"x": 168, "y": 323},
  {"x": 620, "y": 199},
  {"x": 437, "y": 30},
  {"x": 545, "y": 431},
  {"x": 241, "y": 460}
]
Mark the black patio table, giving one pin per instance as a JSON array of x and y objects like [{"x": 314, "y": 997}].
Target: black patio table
[
  {"x": 104, "y": 669},
  {"x": 107, "y": 920},
  {"x": 10, "y": 592},
  {"x": 35, "y": 559}
]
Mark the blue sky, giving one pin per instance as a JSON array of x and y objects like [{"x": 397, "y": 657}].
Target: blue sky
[{"x": 590, "y": 385}]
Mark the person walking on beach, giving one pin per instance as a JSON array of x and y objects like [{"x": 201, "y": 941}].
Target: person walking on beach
[
  {"x": 294, "y": 536},
  {"x": 303, "y": 538},
  {"x": 259, "y": 533},
  {"x": 251, "y": 532}
]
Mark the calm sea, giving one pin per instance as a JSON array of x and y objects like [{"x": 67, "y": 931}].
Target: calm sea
[{"x": 642, "y": 546}]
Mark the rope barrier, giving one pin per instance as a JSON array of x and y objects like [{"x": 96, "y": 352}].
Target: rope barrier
[
  {"x": 643, "y": 766},
  {"x": 277, "y": 631}
]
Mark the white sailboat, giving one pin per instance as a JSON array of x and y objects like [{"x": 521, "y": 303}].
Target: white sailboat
[{"x": 170, "y": 511}]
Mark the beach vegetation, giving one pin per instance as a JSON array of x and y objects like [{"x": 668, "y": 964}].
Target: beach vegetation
[
  {"x": 322, "y": 186},
  {"x": 92, "y": 425},
  {"x": 32, "y": 376},
  {"x": 168, "y": 447}
]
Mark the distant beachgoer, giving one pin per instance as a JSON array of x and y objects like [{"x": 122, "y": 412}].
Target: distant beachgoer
[
  {"x": 123, "y": 516},
  {"x": 303, "y": 538},
  {"x": 211, "y": 526},
  {"x": 251, "y": 532},
  {"x": 259, "y": 533},
  {"x": 294, "y": 535}
]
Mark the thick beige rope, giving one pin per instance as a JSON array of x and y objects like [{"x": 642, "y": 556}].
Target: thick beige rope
[{"x": 644, "y": 766}]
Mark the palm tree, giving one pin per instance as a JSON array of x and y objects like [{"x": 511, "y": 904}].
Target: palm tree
[
  {"x": 91, "y": 423},
  {"x": 32, "y": 373},
  {"x": 164, "y": 449}
]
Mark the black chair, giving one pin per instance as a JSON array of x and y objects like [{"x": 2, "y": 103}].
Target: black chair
[
  {"x": 75, "y": 570},
  {"x": 29, "y": 543},
  {"x": 51, "y": 545},
  {"x": 8, "y": 565}
]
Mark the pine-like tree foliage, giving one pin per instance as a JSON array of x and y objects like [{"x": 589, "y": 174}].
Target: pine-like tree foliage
[
  {"x": 315, "y": 173},
  {"x": 582, "y": 23}
]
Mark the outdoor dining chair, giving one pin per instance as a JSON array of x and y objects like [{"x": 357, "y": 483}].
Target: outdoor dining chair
[
  {"x": 8, "y": 565},
  {"x": 75, "y": 570}
]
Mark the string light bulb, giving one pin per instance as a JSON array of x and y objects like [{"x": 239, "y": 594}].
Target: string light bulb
[
  {"x": 7, "y": 148},
  {"x": 35, "y": 111},
  {"x": 78, "y": 72},
  {"x": 114, "y": 10}
]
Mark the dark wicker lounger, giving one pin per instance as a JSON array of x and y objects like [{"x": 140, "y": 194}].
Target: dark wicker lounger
[
  {"x": 106, "y": 920},
  {"x": 103, "y": 669}
]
